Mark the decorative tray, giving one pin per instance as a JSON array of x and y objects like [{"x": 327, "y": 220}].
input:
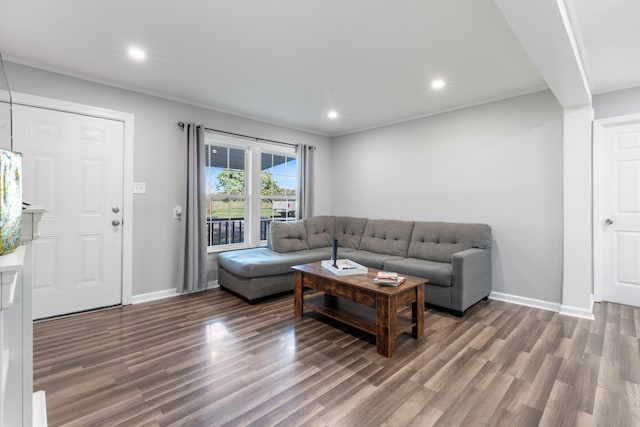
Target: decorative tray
[{"x": 346, "y": 267}]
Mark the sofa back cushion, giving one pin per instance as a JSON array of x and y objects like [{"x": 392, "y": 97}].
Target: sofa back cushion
[
  {"x": 438, "y": 241},
  {"x": 287, "y": 236},
  {"x": 320, "y": 231},
  {"x": 388, "y": 237},
  {"x": 349, "y": 231}
]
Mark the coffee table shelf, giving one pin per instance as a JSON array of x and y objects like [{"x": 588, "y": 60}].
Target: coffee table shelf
[{"x": 353, "y": 314}]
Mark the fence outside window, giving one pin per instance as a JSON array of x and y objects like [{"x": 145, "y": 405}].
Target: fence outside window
[{"x": 230, "y": 231}]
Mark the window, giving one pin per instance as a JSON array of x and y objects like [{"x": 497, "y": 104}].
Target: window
[
  {"x": 226, "y": 184},
  {"x": 248, "y": 186}
]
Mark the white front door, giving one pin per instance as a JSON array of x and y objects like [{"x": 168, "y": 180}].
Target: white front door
[
  {"x": 72, "y": 166},
  {"x": 618, "y": 218}
]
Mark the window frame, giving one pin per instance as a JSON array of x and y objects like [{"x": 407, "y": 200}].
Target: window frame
[{"x": 253, "y": 194}]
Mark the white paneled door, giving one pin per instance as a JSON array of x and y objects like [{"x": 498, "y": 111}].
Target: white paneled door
[
  {"x": 619, "y": 218},
  {"x": 72, "y": 166}
]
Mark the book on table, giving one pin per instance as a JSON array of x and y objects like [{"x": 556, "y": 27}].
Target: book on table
[{"x": 388, "y": 278}]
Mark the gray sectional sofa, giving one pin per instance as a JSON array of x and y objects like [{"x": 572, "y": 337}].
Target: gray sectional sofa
[{"x": 455, "y": 257}]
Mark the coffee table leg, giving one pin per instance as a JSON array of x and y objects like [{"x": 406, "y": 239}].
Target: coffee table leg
[
  {"x": 298, "y": 294},
  {"x": 386, "y": 324},
  {"x": 417, "y": 312}
]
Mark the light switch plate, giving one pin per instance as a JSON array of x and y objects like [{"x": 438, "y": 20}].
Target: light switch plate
[
  {"x": 139, "y": 188},
  {"x": 177, "y": 212}
]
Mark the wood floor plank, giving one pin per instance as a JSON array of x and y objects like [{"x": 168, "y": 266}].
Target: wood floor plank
[
  {"x": 629, "y": 366},
  {"x": 427, "y": 417},
  {"x": 483, "y": 411},
  {"x": 210, "y": 359},
  {"x": 386, "y": 399},
  {"x": 630, "y": 404},
  {"x": 606, "y": 408},
  {"x": 595, "y": 344},
  {"x": 586, "y": 383},
  {"x": 409, "y": 409},
  {"x": 274, "y": 409},
  {"x": 538, "y": 393},
  {"x": 509, "y": 403}
]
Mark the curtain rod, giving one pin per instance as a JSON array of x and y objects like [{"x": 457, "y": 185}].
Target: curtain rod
[{"x": 181, "y": 126}]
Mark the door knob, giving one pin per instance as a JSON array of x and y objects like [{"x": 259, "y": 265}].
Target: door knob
[
  {"x": 115, "y": 209},
  {"x": 608, "y": 221},
  {"x": 115, "y": 223}
]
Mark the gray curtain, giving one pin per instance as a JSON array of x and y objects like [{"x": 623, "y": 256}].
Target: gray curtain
[
  {"x": 305, "y": 177},
  {"x": 192, "y": 273}
]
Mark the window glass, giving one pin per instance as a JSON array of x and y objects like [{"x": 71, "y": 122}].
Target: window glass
[
  {"x": 279, "y": 189},
  {"x": 226, "y": 181}
]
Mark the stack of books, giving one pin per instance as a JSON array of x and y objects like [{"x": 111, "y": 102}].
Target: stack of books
[{"x": 388, "y": 278}]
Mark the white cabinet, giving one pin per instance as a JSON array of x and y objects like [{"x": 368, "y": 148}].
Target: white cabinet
[{"x": 16, "y": 343}]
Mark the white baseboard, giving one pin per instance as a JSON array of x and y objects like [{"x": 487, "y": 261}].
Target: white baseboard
[
  {"x": 39, "y": 412},
  {"x": 565, "y": 310},
  {"x": 529, "y": 302},
  {"x": 152, "y": 296},
  {"x": 583, "y": 313},
  {"x": 167, "y": 293},
  {"x": 576, "y": 312}
]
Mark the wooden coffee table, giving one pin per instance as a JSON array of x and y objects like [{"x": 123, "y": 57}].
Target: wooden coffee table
[{"x": 357, "y": 301}]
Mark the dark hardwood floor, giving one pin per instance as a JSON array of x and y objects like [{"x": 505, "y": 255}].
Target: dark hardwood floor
[{"x": 212, "y": 360}]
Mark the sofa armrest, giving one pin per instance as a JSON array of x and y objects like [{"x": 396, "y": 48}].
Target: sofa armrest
[{"x": 471, "y": 277}]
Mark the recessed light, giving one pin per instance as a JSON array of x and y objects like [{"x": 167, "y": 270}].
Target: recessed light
[
  {"x": 333, "y": 114},
  {"x": 137, "y": 53},
  {"x": 437, "y": 84}
]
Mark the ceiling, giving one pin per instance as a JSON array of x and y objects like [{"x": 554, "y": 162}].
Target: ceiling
[
  {"x": 608, "y": 36},
  {"x": 289, "y": 62}
]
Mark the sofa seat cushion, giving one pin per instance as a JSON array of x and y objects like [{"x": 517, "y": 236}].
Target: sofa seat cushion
[
  {"x": 438, "y": 273},
  {"x": 369, "y": 259},
  {"x": 258, "y": 262}
]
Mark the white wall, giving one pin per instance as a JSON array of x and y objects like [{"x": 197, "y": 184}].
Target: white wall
[
  {"x": 158, "y": 161},
  {"x": 577, "y": 268},
  {"x": 499, "y": 163},
  {"x": 617, "y": 103}
]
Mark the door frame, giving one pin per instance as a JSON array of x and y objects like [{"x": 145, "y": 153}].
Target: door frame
[
  {"x": 599, "y": 215},
  {"x": 127, "y": 119}
]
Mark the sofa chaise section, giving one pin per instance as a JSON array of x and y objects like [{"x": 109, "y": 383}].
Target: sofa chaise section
[
  {"x": 256, "y": 273},
  {"x": 260, "y": 272}
]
